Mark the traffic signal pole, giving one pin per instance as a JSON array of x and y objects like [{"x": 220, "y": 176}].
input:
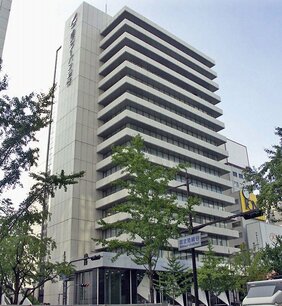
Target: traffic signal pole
[
  {"x": 66, "y": 279},
  {"x": 194, "y": 229},
  {"x": 251, "y": 214}
]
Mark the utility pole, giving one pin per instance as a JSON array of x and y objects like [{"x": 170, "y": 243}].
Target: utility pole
[
  {"x": 66, "y": 279},
  {"x": 45, "y": 202},
  {"x": 193, "y": 230},
  {"x": 193, "y": 253}
]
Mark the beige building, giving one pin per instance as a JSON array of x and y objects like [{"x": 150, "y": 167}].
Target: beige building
[
  {"x": 122, "y": 76},
  {"x": 237, "y": 160}
]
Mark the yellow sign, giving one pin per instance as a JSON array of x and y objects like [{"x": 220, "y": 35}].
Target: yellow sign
[{"x": 249, "y": 203}]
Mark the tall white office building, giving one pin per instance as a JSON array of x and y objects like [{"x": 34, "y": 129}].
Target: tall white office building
[{"x": 122, "y": 76}]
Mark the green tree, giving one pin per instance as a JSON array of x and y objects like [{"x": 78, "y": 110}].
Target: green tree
[
  {"x": 212, "y": 275},
  {"x": 246, "y": 266},
  {"x": 272, "y": 256},
  {"x": 267, "y": 179},
  {"x": 21, "y": 270},
  {"x": 151, "y": 213},
  {"x": 175, "y": 280},
  {"x": 21, "y": 119}
]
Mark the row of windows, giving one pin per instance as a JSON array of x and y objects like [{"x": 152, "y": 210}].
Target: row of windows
[
  {"x": 180, "y": 179},
  {"x": 164, "y": 49},
  {"x": 111, "y": 171},
  {"x": 214, "y": 239},
  {"x": 108, "y": 233},
  {"x": 179, "y": 143},
  {"x": 169, "y": 122},
  {"x": 111, "y": 190},
  {"x": 218, "y": 240},
  {"x": 241, "y": 176},
  {"x": 181, "y": 197},
  {"x": 203, "y": 219},
  {"x": 192, "y": 89},
  {"x": 213, "y": 204},
  {"x": 172, "y": 109},
  {"x": 141, "y": 64},
  {"x": 200, "y": 184},
  {"x": 175, "y": 95},
  {"x": 163, "y": 155},
  {"x": 160, "y": 73},
  {"x": 237, "y": 224},
  {"x": 171, "y": 157}
]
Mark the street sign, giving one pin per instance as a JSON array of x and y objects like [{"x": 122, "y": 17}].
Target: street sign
[{"x": 189, "y": 242}]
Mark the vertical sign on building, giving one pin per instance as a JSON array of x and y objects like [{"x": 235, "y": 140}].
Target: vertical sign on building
[{"x": 71, "y": 48}]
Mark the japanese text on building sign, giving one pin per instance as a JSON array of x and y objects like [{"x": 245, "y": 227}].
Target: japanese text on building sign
[{"x": 71, "y": 47}]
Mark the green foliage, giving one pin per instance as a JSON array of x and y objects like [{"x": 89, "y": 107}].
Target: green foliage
[
  {"x": 272, "y": 256},
  {"x": 21, "y": 119},
  {"x": 247, "y": 266},
  {"x": 211, "y": 276},
  {"x": 21, "y": 265},
  {"x": 45, "y": 186},
  {"x": 267, "y": 179},
  {"x": 175, "y": 280},
  {"x": 151, "y": 213},
  {"x": 21, "y": 250},
  {"x": 217, "y": 275}
]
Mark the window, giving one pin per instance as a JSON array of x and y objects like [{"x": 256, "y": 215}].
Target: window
[
  {"x": 261, "y": 291},
  {"x": 236, "y": 224},
  {"x": 235, "y": 174}
]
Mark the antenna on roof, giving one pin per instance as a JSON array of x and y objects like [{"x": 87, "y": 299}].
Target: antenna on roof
[{"x": 106, "y": 7}]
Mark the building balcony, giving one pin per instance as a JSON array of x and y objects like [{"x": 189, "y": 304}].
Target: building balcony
[
  {"x": 164, "y": 76},
  {"x": 163, "y": 87}
]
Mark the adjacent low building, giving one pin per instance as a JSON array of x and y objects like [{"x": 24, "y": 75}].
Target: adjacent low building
[{"x": 260, "y": 234}]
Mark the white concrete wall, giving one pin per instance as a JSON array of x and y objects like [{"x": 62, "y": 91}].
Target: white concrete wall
[
  {"x": 260, "y": 233},
  {"x": 73, "y": 212}
]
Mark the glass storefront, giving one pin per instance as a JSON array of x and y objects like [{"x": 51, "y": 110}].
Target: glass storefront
[
  {"x": 107, "y": 286},
  {"x": 114, "y": 286}
]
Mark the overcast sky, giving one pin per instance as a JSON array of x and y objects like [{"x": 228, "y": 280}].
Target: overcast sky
[{"x": 244, "y": 37}]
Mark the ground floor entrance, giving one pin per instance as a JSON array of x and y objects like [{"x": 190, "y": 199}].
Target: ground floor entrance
[{"x": 108, "y": 285}]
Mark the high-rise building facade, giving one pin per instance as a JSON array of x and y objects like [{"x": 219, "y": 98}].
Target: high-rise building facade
[
  {"x": 122, "y": 76},
  {"x": 5, "y": 7}
]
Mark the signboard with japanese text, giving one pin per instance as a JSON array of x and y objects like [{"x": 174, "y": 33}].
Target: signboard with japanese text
[
  {"x": 71, "y": 47},
  {"x": 189, "y": 242}
]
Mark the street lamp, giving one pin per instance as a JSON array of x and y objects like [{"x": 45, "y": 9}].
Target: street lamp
[
  {"x": 51, "y": 110},
  {"x": 44, "y": 204}
]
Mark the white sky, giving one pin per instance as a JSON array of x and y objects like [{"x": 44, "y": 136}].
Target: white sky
[{"x": 242, "y": 36}]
